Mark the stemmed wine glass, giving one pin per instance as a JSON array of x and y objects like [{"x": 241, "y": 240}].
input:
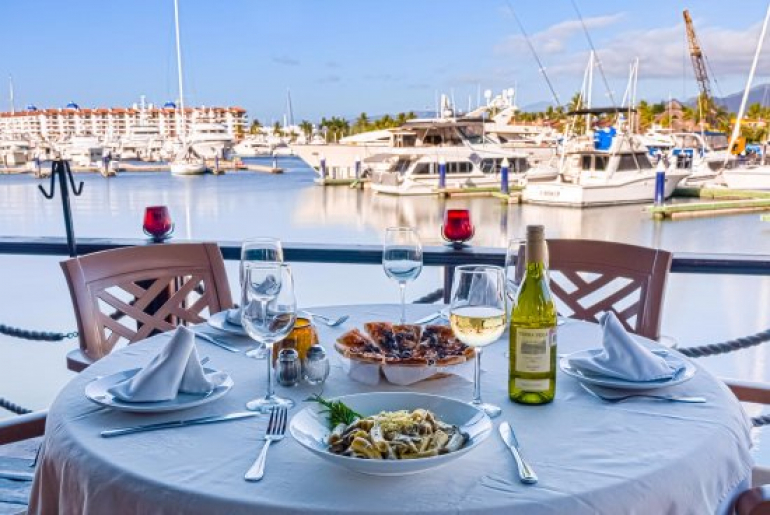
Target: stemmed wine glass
[
  {"x": 402, "y": 259},
  {"x": 478, "y": 316},
  {"x": 269, "y": 321},
  {"x": 259, "y": 250}
]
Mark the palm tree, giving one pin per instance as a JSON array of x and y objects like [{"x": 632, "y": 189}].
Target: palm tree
[
  {"x": 307, "y": 129},
  {"x": 277, "y": 129},
  {"x": 362, "y": 123},
  {"x": 255, "y": 127}
]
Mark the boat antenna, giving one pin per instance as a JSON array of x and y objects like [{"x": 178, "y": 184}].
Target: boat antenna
[
  {"x": 179, "y": 67},
  {"x": 593, "y": 49},
  {"x": 744, "y": 100},
  {"x": 534, "y": 54}
]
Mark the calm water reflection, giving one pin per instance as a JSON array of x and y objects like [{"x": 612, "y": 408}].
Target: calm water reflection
[{"x": 699, "y": 309}]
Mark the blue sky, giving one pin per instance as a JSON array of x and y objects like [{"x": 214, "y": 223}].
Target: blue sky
[{"x": 345, "y": 56}]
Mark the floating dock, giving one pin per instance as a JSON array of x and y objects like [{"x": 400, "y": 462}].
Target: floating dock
[
  {"x": 724, "y": 202},
  {"x": 117, "y": 167}
]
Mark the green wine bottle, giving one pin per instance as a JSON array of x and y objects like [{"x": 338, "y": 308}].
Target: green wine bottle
[{"x": 532, "y": 372}]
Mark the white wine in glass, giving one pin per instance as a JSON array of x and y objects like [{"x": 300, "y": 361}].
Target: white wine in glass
[
  {"x": 478, "y": 315},
  {"x": 402, "y": 259}
]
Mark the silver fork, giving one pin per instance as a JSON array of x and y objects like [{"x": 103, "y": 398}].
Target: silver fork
[
  {"x": 331, "y": 322},
  {"x": 276, "y": 428},
  {"x": 623, "y": 397}
]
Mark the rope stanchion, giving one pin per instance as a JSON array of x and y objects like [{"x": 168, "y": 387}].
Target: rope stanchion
[{"x": 714, "y": 349}]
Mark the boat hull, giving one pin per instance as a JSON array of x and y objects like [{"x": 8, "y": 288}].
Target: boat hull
[
  {"x": 633, "y": 191},
  {"x": 187, "y": 168},
  {"x": 388, "y": 184},
  {"x": 757, "y": 178}
]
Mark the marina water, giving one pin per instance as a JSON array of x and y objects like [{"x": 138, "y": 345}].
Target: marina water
[{"x": 699, "y": 308}]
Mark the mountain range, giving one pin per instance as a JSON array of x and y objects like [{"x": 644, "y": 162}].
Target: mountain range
[{"x": 732, "y": 102}]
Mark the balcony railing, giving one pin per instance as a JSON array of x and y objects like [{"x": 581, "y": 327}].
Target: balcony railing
[{"x": 441, "y": 256}]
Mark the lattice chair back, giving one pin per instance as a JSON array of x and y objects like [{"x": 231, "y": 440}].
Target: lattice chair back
[
  {"x": 589, "y": 278},
  {"x": 125, "y": 295}
]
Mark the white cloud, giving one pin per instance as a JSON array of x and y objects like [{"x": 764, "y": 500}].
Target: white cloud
[{"x": 554, "y": 39}]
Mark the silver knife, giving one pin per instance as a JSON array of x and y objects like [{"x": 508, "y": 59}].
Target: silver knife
[
  {"x": 217, "y": 342},
  {"x": 178, "y": 423},
  {"x": 526, "y": 474},
  {"x": 429, "y": 318}
]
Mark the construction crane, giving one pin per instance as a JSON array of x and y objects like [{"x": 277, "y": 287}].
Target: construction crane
[{"x": 699, "y": 66}]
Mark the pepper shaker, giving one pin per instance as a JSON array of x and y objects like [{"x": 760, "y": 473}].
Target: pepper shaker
[
  {"x": 315, "y": 366},
  {"x": 289, "y": 368}
]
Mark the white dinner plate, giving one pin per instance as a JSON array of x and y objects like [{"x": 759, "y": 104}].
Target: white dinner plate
[
  {"x": 310, "y": 428},
  {"x": 219, "y": 321},
  {"x": 97, "y": 391},
  {"x": 610, "y": 382}
]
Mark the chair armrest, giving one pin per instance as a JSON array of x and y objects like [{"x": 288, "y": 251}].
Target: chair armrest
[
  {"x": 748, "y": 391},
  {"x": 22, "y": 427},
  {"x": 755, "y": 501}
]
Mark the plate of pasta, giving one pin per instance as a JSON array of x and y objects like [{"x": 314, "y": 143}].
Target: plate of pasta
[{"x": 390, "y": 433}]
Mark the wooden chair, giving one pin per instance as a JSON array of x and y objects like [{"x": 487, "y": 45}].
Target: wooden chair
[
  {"x": 591, "y": 277},
  {"x": 126, "y": 295}
]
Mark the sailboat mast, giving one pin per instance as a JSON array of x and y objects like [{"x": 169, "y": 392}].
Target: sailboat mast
[
  {"x": 744, "y": 100},
  {"x": 179, "y": 67},
  {"x": 10, "y": 91}
]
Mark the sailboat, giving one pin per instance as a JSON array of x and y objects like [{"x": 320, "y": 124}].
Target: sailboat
[
  {"x": 186, "y": 161},
  {"x": 748, "y": 176}
]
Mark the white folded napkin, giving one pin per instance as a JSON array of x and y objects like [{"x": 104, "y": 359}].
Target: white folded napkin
[
  {"x": 233, "y": 316},
  {"x": 623, "y": 357},
  {"x": 176, "y": 369}
]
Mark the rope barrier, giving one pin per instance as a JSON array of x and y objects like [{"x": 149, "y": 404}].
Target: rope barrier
[
  {"x": 714, "y": 349},
  {"x": 13, "y": 408},
  {"x": 35, "y": 335}
]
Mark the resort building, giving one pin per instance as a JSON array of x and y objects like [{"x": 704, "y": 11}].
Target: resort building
[{"x": 111, "y": 123}]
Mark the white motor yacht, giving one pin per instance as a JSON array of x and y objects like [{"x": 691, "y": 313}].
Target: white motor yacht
[
  {"x": 253, "y": 146},
  {"x": 210, "y": 140},
  {"x": 142, "y": 142},
  {"x": 706, "y": 153},
  {"x": 15, "y": 150},
  {"x": 82, "y": 150},
  {"x": 455, "y": 140},
  {"x": 409, "y": 172},
  {"x": 621, "y": 174},
  {"x": 746, "y": 177}
]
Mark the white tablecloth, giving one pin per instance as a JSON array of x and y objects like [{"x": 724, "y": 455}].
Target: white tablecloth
[{"x": 641, "y": 457}]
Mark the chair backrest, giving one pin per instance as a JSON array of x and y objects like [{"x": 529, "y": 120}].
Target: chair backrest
[
  {"x": 591, "y": 277},
  {"x": 131, "y": 293}
]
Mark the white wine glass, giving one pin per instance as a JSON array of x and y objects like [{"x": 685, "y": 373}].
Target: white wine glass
[
  {"x": 259, "y": 250},
  {"x": 478, "y": 315},
  {"x": 402, "y": 259},
  {"x": 269, "y": 321}
]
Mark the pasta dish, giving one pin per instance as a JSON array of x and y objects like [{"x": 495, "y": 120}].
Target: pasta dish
[{"x": 394, "y": 435}]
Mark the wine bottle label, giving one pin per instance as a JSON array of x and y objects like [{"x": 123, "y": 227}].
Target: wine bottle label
[
  {"x": 533, "y": 349},
  {"x": 532, "y": 385}
]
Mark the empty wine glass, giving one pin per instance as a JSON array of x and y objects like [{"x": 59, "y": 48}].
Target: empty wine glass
[
  {"x": 402, "y": 259},
  {"x": 259, "y": 250},
  {"x": 269, "y": 321},
  {"x": 513, "y": 273},
  {"x": 478, "y": 315}
]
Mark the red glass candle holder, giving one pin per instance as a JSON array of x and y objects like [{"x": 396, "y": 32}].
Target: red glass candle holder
[
  {"x": 157, "y": 223},
  {"x": 457, "y": 228}
]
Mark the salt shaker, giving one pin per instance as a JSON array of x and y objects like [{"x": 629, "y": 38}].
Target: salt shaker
[
  {"x": 289, "y": 368},
  {"x": 315, "y": 367}
]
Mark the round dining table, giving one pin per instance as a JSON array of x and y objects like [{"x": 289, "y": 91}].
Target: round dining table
[{"x": 641, "y": 456}]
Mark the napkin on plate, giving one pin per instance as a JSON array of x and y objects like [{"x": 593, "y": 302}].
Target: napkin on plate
[
  {"x": 176, "y": 369},
  {"x": 233, "y": 316},
  {"x": 622, "y": 357}
]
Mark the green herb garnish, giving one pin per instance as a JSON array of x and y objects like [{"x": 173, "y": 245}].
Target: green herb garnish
[{"x": 337, "y": 411}]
